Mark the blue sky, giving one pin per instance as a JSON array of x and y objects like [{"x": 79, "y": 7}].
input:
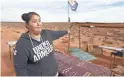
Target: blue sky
[{"x": 56, "y": 10}]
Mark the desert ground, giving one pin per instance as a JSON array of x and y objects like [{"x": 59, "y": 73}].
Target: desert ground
[{"x": 107, "y": 34}]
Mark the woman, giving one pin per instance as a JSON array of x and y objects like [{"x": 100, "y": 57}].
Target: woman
[{"x": 33, "y": 55}]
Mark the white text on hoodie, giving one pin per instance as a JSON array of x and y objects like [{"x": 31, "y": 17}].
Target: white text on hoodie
[{"x": 42, "y": 50}]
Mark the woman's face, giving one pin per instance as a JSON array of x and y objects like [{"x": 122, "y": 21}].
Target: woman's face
[{"x": 35, "y": 25}]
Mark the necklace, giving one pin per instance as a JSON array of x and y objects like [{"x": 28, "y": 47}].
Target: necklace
[{"x": 33, "y": 38}]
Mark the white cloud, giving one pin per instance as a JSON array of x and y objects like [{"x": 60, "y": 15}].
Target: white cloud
[
  {"x": 54, "y": 10},
  {"x": 14, "y": 14},
  {"x": 114, "y": 14}
]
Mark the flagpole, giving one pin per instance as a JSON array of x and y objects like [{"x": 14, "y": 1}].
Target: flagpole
[{"x": 68, "y": 26}]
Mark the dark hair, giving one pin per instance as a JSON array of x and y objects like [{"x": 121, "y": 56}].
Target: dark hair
[{"x": 27, "y": 16}]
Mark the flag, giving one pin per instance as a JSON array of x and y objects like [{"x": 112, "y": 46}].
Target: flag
[{"x": 73, "y": 4}]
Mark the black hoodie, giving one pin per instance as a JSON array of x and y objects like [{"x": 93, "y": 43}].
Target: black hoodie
[{"x": 34, "y": 58}]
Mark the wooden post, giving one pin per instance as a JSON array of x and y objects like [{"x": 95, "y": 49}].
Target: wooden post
[
  {"x": 69, "y": 41},
  {"x": 10, "y": 51},
  {"x": 79, "y": 38},
  {"x": 114, "y": 61}
]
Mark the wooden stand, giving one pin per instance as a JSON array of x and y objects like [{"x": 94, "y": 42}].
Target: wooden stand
[{"x": 11, "y": 45}]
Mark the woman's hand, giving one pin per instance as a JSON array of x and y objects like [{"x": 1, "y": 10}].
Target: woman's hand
[{"x": 69, "y": 30}]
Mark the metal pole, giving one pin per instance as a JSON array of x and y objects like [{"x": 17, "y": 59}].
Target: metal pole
[{"x": 68, "y": 25}]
